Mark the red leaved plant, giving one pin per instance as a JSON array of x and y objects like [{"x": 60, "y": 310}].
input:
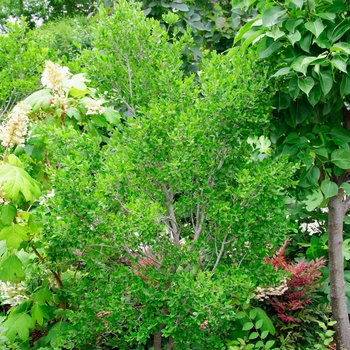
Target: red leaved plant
[{"x": 303, "y": 280}]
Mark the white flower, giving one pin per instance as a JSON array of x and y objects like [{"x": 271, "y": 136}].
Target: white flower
[
  {"x": 94, "y": 106},
  {"x": 54, "y": 75},
  {"x": 15, "y": 127}
]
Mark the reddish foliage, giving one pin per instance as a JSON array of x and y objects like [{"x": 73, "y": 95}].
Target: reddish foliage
[{"x": 303, "y": 280}]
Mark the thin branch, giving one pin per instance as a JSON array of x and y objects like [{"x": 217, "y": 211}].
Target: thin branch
[{"x": 220, "y": 254}]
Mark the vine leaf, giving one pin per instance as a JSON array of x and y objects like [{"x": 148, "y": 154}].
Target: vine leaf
[{"x": 14, "y": 180}]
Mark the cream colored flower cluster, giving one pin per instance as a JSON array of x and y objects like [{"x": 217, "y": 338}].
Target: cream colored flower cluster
[
  {"x": 265, "y": 293},
  {"x": 11, "y": 293},
  {"x": 15, "y": 127},
  {"x": 94, "y": 106},
  {"x": 54, "y": 76}
]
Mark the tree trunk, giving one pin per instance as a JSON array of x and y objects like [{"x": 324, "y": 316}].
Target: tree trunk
[
  {"x": 157, "y": 340},
  {"x": 336, "y": 271}
]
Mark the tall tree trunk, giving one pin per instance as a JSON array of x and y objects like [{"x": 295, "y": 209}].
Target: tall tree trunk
[{"x": 336, "y": 214}]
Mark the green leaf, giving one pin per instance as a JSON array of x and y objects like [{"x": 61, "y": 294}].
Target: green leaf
[
  {"x": 309, "y": 177},
  {"x": 77, "y": 82},
  {"x": 253, "y": 335},
  {"x": 272, "y": 15},
  {"x": 179, "y": 6},
  {"x": 112, "y": 116},
  {"x": 341, "y": 158},
  {"x": 247, "y": 326},
  {"x": 12, "y": 270},
  {"x": 269, "y": 344},
  {"x": 13, "y": 160},
  {"x": 306, "y": 84},
  {"x": 341, "y": 46},
  {"x": 19, "y": 324},
  {"x": 315, "y": 95},
  {"x": 38, "y": 99},
  {"x": 305, "y": 42},
  {"x": 345, "y": 85},
  {"x": 282, "y": 71},
  {"x": 42, "y": 295},
  {"x": 8, "y": 213},
  {"x": 326, "y": 81},
  {"x": 267, "y": 323},
  {"x": 72, "y": 112},
  {"x": 298, "y": 3},
  {"x": 251, "y": 38},
  {"x": 329, "y": 188},
  {"x": 240, "y": 315},
  {"x": 339, "y": 31},
  {"x": 316, "y": 28},
  {"x": 293, "y": 88},
  {"x": 38, "y": 313},
  {"x": 340, "y": 63},
  {"x": 291, "y": 24},
  {"x": 245, "y": 29},
  {"x": 14, "y": 180},
  {"x": 14, "y": 235},
  {"x": 259, "y": 323},
  {"x": 298, "y": 65},
  {"x": 294, "y": 37},
  {"x": 267, "y": 47},
  {"x": 99, "y": 120},
  {"x": 339, "y": 132},
  {"x": 57, "y": 330},
  {"x": 252, "y": 313},
  {"x": 346, "y": 249},
  {"x": 346, "y": 187},
  {"x": 313, "y": 200}
]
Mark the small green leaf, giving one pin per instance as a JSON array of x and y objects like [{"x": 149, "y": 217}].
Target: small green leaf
[
  {"x": 179, "y": 6},
  {"x": 346, "y": 187},
  {"x": 251, "y": 38},
  {"x": 14, "y": 235},
  {"x": 294, "y": 37},
  {"x": 240, "y": 315},
  {"x": 341, "y": 158},
  {"x": 346, "y": 249},
  {"x": 112, "y": 116},
  {"x": 269, "y": 344},
  {"x": 306, "y": 84},
  {"x": 72, "y": 112},
  {"x": 247, "y": 326},
  {"x": 259, "y": 324},
  {"x": 329, "y": 188},
  {"x": 56, "y": 331},
  {"x": 12, "y": 270},
  {"x": 315, "y": 95},
  {"x": 245, "y": 29},
  {"x": 252, "y": 313},
  {"x": 264, "y": 334},
  {"x": 19, "y": 324},
  {"x": 316, "y": 28},
  {"x": 267, "y": 323},
  {"x": 305, "y": 42},
  {"x": 253, "y": 335},
  {"x": 293, "y": 88},
  {"x": 282, "y": 71}
]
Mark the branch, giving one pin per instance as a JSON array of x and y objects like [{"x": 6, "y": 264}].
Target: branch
[
  {"x": 199, "y": 220},
  {"x": 346, "y": 205},
  {"x": 173, "y": 223},
  {"x": 220, "y": 254}
]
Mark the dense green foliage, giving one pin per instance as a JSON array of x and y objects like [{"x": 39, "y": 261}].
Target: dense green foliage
[{"x": 153, "y": 222}]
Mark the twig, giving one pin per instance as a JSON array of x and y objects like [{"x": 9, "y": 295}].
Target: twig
[{"x": 220, "y": 254}]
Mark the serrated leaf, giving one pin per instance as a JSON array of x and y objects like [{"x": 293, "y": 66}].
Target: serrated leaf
[
  {"x": 13, "y": 160},
  {"x": 329, "y": 188},
  {"x": 19, "y": 324},
  {"x": 14, "y": 235},
  {"x": 341, "y": 158},
  {"x": 14, "y": 180},
  {"x": 306, "y": 84},
  {"x": 38, "y": 99},
  {"x": 314, "y": 200},
  {"x": 42, "y": 295},
  {"x": 8, "y": 213},
  {"x": 57, "y": 330},
  {"x": 72, "y": 112},
  {"x": 38, "y": 313},
  {"x": 12, "y": 270}
]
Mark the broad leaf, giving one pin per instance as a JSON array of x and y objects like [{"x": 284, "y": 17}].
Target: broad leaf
[
  {"x": 340, "y": 63},
  {"x": 38, "y": 313},
  {"x": 42, "y": 295},
  {"x": 342, "y": 46},
  {"x": 14, "y": 235},
  {"x": 19, "y": 324},
  {"x": 326, "y": 81},
  {"x": 38, "y": 99},
  {"x": 345, "y": 85},
  {"x": 14, "y": 180},
  {"x": 313, "y": 200},
  {"x": 309, "y": 177},
  {"x": 341, "y": 158},
  {"x": 329, "y": 188},
  {"x": 112, "y": 116},
  {"x": 12, "y": 270},
  {"x": 316, "y": 28},
  {"x": 267, "y": 324},
  {"x": 8, "y": 213},
  {"x": 339, "y": 132},
  {"x": 294, "y": 37},
  {"x": 272, "y": 15},
  {"x": 306, "y": 84}
]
